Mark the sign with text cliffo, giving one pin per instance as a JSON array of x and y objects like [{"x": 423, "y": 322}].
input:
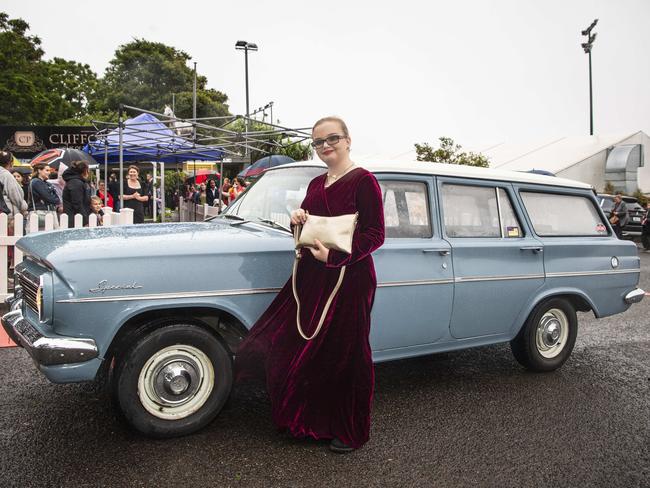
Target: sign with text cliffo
[{"x": 25, "y": 142}]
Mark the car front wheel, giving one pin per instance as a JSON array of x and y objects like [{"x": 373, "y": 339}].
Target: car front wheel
[
  {"x": 547, "y": 338},
  {"x": 173, "y": 381}
]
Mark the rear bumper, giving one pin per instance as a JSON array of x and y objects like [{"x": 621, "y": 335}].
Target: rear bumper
[
  {"x": 47, "y": 350},
  {"x": 635, "y": 296}
]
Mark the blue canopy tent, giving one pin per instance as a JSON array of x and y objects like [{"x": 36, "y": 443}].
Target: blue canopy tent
[{"x": 146, "y": 138}]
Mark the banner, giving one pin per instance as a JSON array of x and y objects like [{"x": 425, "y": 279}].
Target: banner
[{"x": 25, "y": 142}]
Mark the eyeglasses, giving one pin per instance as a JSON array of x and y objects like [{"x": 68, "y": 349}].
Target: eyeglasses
[{"x": 331, "y": 141}]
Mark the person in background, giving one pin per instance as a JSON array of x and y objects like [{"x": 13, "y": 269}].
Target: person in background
[
  {"x": 96, "y": 204},
  {"x": 13, "y": 191},
  {"x": 114, "y": 191},
  {"x": 21, "y": 182},
  {"x": 101, "y": 193},
  {"x": 225, "y": 189},
  {"x": 200, "y": 197},
  {"x": 212, "y": 193},
  {"x": 149, "y": 188},
  {"x": 42, "y": 198},
  {"x": 645, "y": 231},
  {"x": 235, "y": 190},
  {"x": 57, "y": 181},
  {"x": 76, "y": 193},
  {"x": 619, "y": 216},
  {"x": 134, "y": 195}
]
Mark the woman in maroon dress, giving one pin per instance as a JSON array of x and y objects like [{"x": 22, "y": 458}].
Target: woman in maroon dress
[{"x": 323, "y": 388}]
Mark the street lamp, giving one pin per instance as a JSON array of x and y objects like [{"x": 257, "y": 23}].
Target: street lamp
[
  {"x": 246, "y": 46},
  {"x": 587, "y": 47}
]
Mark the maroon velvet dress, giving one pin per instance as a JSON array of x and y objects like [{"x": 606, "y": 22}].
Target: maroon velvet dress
[{"x": 323, "y": 388}]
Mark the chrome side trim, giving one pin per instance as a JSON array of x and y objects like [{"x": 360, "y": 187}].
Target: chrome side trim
[
  {"x": 387, "y": 284},
  {"x": 469, "y": 279},
  {"x": 44, "y": 350},
  {"x": 227, "y": 293},
  {"x": 592, "y": 273},
  {"x": 167, "y": 296},
  {"x": 635, "y": 296}
]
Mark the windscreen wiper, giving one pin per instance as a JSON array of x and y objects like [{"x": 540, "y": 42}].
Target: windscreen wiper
[
  {"x": 275, "y": 224},
  {"x": 238, "y": 220}
]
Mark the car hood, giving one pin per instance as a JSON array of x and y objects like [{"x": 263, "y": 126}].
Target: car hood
[{"x": 151, "y": 241}]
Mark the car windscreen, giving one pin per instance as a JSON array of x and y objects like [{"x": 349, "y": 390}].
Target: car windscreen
[{"x": 275, "y": 195}]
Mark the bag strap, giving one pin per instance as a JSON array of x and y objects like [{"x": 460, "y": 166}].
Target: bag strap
[
  {"x": 296, "y": 235},
  {"x": 31, "y": 195}
]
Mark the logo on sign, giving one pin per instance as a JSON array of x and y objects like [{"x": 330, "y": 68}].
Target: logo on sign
[{"x": 24, "y": 138}]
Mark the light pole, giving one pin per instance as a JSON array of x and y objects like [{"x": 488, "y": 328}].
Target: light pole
[
  {"x": 587, "y": 47},
  {"x": 246, "y": 46}
]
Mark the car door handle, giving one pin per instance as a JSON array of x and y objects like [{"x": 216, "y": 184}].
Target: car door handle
[
  {"x": 535, "y": 249},
  {"x": 442, "y": 252}
]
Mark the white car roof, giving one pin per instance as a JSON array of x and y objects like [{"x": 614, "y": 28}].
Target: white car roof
[{"x": 461, "y": 171}]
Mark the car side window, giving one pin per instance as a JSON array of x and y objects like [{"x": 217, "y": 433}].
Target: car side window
[
  {"x": 479, "y": 211},
  {"x": 554, "y": 215},
  {"x": 406, "y": 209}
]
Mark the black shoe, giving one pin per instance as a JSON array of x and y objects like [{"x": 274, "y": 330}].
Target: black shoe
[{"x": 337, "y": 446}]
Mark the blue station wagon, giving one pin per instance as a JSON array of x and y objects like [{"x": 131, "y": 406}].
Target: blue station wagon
[{"x": 472, "y": 257}]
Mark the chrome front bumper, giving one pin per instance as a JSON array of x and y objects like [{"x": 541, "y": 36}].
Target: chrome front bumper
[
  {"x": 45, "y": 350},
  {"x": 635, "y": 296}
]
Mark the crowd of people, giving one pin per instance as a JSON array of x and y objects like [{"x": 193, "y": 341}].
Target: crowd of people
[
  {"x": 72, "y": 192},
  {"x": 210, "y": 193}
]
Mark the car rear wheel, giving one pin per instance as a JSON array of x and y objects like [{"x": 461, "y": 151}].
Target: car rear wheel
[
  {"x": 547, "y": 338},
  {"x": 173, "y": 381}
]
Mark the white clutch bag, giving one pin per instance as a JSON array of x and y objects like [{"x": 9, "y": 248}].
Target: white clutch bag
[{"x": 333, "y": 232}]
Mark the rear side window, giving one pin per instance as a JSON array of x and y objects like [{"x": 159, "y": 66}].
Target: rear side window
[
  {"x": 556, "y": 215},
  {"x": 406, "y": 209},
  {"x": 479, "y": 211}
]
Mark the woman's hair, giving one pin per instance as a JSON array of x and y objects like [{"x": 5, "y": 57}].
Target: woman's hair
[
  {"x": 338, "y": 120},
  {"x": 133, "y": 166},
  {"x": 80, "y": 167},
  {"x": 36, "y": 168},
  {"x": 5, "y": 158}
]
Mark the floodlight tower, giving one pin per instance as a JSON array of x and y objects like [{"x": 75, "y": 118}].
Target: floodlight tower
[
  {"x": 587, "y": 47},
  {"x": 246, "y": 46}
]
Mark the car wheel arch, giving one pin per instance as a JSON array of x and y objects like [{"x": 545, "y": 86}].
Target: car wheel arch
[
  {"x": 578, "y": 299},
  {"x": 225, "y": 326}
]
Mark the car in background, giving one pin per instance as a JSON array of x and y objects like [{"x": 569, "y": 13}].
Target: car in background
[{"x": 634, "y": 209}]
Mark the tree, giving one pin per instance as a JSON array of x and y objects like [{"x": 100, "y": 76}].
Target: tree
[
  {"x": 23, "y": 98},
  {"x": 35, "y": 91},
  {"x": 72, "y": 88},
  {"x": 145, "y": 74},
  {"x": 277, "y": 143},
  {"x": 450, "y": 152}
]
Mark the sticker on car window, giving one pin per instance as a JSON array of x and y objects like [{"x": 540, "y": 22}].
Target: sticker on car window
[
  {"x": 601, "y": 229},
  {"x": 512, "y": 231}
]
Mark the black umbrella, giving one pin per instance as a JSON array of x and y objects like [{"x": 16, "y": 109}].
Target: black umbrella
[
  {"x": 23, "y": 170},
  {"x": 54, "y": 157}
]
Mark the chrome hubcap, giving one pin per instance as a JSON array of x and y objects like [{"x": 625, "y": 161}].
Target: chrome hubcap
[
  {"x": 552, "y": 333},
  {"x": 176, "y": 382}
]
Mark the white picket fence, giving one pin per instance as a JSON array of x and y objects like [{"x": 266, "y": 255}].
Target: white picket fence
[
  {"x": 125, "y": 217},
  {"x": 189, "y": 211}
]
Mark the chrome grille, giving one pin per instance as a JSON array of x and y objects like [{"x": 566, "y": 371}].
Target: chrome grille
[{"x": 30, "y": 285}]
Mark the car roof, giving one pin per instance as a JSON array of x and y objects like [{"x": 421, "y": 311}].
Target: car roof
[{"x": 441, "y": 169}]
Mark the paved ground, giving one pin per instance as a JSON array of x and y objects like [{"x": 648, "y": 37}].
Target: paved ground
[{"x": 472, "y": 418}]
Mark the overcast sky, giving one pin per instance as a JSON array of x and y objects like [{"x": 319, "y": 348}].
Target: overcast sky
[{"x": 399, "y": 72}]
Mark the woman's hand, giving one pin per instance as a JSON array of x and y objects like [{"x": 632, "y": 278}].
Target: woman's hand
[
  {"x": 298, "y": 217},
  {"x": 321, "y": 252}
]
